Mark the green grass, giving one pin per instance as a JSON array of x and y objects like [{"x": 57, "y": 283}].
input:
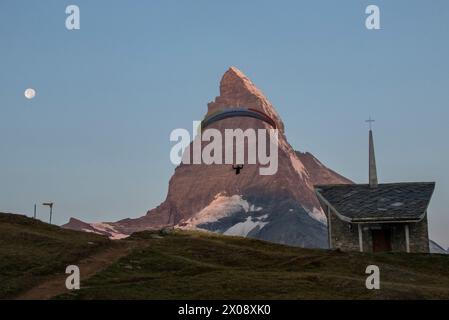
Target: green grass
[
  {"x": 31, "y": 250},
  {"x": 194, "y": 265}
]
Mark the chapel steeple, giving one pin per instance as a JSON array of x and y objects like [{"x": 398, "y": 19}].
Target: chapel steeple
[{"x": 372, "y": 158}]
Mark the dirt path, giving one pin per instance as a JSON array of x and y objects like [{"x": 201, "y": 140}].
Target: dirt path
[{"x": 89, "y": 266}]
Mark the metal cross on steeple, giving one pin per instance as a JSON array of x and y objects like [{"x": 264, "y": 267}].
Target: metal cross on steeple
[{"x": 370, "y": 121}]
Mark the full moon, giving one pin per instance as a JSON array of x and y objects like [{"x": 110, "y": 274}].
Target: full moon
[{"x": 30, "y": 93}]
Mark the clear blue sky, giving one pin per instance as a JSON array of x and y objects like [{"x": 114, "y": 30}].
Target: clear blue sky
[{"x": 96, "y": 138}]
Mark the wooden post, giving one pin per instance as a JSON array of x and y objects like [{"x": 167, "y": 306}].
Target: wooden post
[
  {"x": 360, "y": 237},
  {"x": 407, "y": 238}
]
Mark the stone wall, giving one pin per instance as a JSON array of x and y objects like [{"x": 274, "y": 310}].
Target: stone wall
[
  {"x": 345, "y": 236},
  {"x": 419, "y": 236}
]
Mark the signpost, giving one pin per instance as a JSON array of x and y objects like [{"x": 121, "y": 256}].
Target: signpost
[{"x": 49, "y": 204}]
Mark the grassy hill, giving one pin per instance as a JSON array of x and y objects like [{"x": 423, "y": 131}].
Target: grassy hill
[
  {"x": 31, "y": 251},
  {"x": 196, "y": 265}
]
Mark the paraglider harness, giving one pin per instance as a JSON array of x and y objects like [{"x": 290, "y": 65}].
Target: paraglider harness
[{"x": 237, "y": 112}]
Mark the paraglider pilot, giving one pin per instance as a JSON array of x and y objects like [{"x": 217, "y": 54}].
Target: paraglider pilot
[{"x": 237, "y": 168}]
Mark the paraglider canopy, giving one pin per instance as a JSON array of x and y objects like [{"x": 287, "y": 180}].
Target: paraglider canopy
[{"x": 237, "y": 112}]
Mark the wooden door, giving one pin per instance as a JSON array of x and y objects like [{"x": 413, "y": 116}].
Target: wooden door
[{"x": 381, "y": 240}]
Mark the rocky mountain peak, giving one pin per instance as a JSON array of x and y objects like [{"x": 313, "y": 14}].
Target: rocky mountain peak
[
  {"x": 237, "y": 90},
  {"x": 281, "y": 207},
  {"x": 235, "y": 83}
]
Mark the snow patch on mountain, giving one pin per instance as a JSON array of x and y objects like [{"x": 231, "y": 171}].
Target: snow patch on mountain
[
  {"x": 253, "y": 208},
  {"x": 244, "y": 228},
  {"x": 106, "y": 228},
  {"x": 222, "y": 206},
  {"x": 318, "y": 214}
]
